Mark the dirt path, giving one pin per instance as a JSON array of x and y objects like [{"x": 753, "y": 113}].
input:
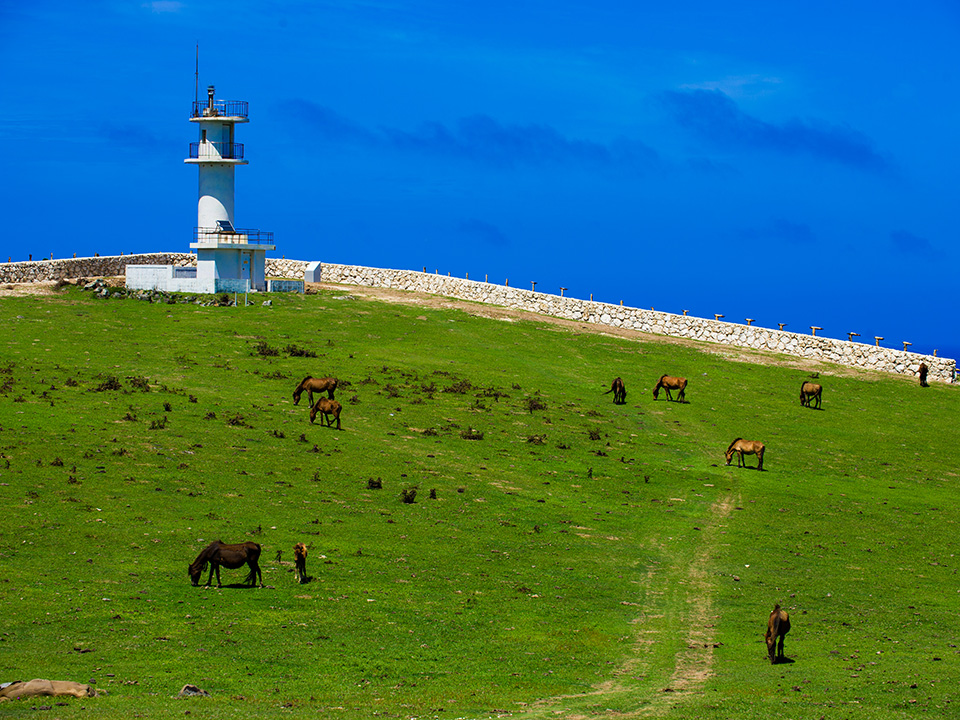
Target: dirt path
[{"x": 691, "y": 667}]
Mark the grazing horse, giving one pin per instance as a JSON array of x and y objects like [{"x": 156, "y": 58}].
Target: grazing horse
[
  {"x": 923, "y": 375},
  {"x": 778, "y": 625},
  {"x": 300, "y": 561},
  {"x": 810, "y": 392},
  {"x": 619, "y": 392},
  {"x": 219, "y": 553},
  {"x": 745, "y": 447},
  {"x": 328, "y": 408},
  {"x": 668, "y": 383},
  {"x": 314, "y": 385}
]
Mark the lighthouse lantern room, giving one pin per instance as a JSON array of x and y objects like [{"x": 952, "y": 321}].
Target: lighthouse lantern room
[{"x": 224, "y": 253}]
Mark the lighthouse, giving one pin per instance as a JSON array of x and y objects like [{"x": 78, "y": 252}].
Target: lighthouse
[{"x": 234, "y": 259}]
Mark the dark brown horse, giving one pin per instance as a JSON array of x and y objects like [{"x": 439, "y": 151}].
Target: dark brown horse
[
  {"x": 314, "y": 385},
  {"x": 300, "y": 561},
  {"x": 219, "y": 553},
  {"x": 778, "y": 625},
  {"x": 619, "y": 391},
  {"x": 742, "y": 447},
  {"x": 328, "y": 408},
  {"x": 810, "y": 392},
  {"x": 668, "y": 383},
  {"x": 923, "y": 374}
]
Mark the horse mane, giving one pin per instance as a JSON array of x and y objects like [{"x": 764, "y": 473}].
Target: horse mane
[
  {"x": 303, "y": 382},
  {"x": 731, "y": 448}
]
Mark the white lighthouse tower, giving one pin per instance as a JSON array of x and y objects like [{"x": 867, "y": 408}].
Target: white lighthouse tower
[{"x": 232, "y": 259}]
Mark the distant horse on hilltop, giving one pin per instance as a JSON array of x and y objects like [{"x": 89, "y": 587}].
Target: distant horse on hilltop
[
  {"x": 668, "y": 383},
  {"x": 810, "y": 392},
  {"x": 923, "y": 375},
  {"x": 314, "y": 385},
  {"x": 742, "y": 447},
  {"x": 219, "y": 553},
  {"x": 619, "y": 391}
]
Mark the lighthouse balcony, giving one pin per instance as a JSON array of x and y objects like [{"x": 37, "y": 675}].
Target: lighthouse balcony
[
  {"x": 221, "y": 109},
  {"x": 226, "y": 236},
  {"x": 216, "y": 151}
]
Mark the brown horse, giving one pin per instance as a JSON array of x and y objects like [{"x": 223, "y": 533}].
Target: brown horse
[
  {"x": 619, "y": 391},
  {"x": 923, "y": 375},
  {"x": 219, "y": 553},
  {"x": 745, "y": 447},
  {"x": 328, "y": 408},
  {"x": 314, "y": 385},
  {"x": 810, "y": 392},
  {"x": 778, "y": 625},
  {"x": 668, "y": 383},
  {"x": 300, "y": 560}
]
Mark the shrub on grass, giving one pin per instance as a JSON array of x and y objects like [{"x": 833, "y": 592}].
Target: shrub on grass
[
  {"x": 593, "y": 434},
  {"x": 374, "y": 484},
  {"x": 140, "y": 383},
  {"x": 111, "y": 383},
  {"x": 470, "y": 434},
  {"x": 461, "y": 387},
  {"x": 158, "y": 424},
  {"x": 408, "y": 495},
  {"x": 535, "y": 403},
  {"x": 263, "y": 349},
  {"x": 237, "y": 420},
  {"x": 297, "y": 351}
]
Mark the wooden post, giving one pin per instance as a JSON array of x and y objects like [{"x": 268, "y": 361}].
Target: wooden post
[
  {"x": 851, "y": 336},
  {"x": 685, "y": 312},
  {"x": 781, "y": 325},
  {"x": 749, "y": 321},
  {"x": 507, "y": 282},
  {"x": 717, "y": 316},
  {"x": 878, "y": 339},
  {"x": 533, "y": 286},
  {"x": 814, "y": 328},
  {"x": 905, "y": 345},
  {"x": 561, "y": 291}
]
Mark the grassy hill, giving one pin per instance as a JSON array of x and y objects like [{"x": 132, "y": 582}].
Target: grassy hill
[{"x": 564, "y": 556}]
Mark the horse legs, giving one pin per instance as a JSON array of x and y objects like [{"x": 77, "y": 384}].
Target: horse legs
[
  {"x": 760, "y": 467},
  {"x": 780, "y": 647},
  {"x": 682, "y": 395}
]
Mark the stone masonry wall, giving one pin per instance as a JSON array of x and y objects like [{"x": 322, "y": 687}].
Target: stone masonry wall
[
  {"x": 842, "y": 352},
  {"x": 89, "y": 267}
]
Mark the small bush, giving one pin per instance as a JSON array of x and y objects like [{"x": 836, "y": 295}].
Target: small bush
[
  {"x": 374, "y": 484},
  {"x": 57, "y": 462},
  {"x": 210, "y": 416},
  {"x": 263, "y": 349},
  {"x": 470, "y": 434},
  {"x": 537, "y": 439},
  {"x": 158, "y": 424},
  {"x": 430, "y": 432},
  {"x": 461, "y": 387},
  {"x": 594, "y": 434},
  {"x": 130, "y": 417},
  {"x": 167, "y": 407},
  {"x": 279, "y": 434},
  {"x": 70, "y": 382},
  {"x": 408, "y": 495},
  {"x": 391, "y": 391},
  {"x": 111, "y": 383},
  {"x": 297, "y": 351},
  {"x": 140, "y": 383},
  {"x": 192, "y": 398},
  {"x": 535, "y": 403},
  {"x": 237, "y": 420}
]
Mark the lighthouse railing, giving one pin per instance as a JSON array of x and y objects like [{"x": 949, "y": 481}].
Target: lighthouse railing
[
  {"x": 219, "y": 109},
  {"x": 216, "y": 150},
  {"x": 242, "y": 236}
]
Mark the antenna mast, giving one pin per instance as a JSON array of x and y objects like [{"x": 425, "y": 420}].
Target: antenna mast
[{"x": 196, "y": 79}]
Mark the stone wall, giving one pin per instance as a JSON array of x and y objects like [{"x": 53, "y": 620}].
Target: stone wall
[
  {"x": 89, "y": 267},
  {"x": 842, "y": 352}
]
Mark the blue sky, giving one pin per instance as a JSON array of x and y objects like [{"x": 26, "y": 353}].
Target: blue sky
[{"x": 788, "y": 162}]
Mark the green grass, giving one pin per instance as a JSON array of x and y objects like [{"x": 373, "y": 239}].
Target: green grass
[{"x": 580, "y": 559}]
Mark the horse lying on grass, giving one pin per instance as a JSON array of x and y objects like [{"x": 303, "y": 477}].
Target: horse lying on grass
[
  {"x": 328, "y": 408},
  {"x": 668, "y": 383},
  {"x": 778, "y": 625},
  {"x": 810, "y": 392},
  {"x": 44, "y": 688},
  {"x": 300, "y": 561},
  {"x": 745, "y": 447},
  {"x": 314, "y": 385},
  {"x": 218, "y": 553},
  {"x": 619, "y": 392}
]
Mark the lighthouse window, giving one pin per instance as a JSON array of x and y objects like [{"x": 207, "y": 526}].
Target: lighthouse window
[{"x": 203, "y": 135}]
